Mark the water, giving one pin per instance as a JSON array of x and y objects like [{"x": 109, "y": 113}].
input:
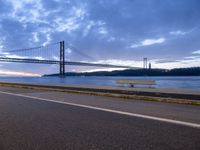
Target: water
[{"x": 161, "y": 82}]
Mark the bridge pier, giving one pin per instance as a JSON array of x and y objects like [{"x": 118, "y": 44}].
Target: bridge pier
[{"x": 62, "y": 59}]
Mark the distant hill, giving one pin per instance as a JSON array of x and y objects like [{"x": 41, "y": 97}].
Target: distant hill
[{"x": 140, "y": 72}]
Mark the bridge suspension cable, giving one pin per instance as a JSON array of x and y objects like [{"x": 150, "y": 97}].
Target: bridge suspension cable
[
  {"x": 49, "y": 52},
  {"x": 31, "y": 48},
  {"x": 74, "y": 49}
]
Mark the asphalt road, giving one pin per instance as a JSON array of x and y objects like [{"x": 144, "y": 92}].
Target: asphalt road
[{"x": 32, "y": 124}]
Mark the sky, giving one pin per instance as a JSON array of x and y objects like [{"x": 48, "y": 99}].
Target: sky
[{"x": 118, "y": 32}]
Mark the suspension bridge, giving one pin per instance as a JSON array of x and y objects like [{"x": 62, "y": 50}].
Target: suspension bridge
[{"x": 54, "y": 53}]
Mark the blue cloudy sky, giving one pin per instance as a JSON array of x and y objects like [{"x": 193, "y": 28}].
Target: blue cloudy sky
[{"x": 119, "y": 32}]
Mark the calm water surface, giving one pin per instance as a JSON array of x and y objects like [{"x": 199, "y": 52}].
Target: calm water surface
[{"x": 161, "y": 82}]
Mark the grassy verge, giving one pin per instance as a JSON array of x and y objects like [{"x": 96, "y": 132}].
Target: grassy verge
[{"x": 124, "y": 96}]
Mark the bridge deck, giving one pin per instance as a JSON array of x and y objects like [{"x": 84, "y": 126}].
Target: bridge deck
[{"x": 19, "y": 60}]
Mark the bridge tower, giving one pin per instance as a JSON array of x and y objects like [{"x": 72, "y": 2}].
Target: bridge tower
[
  {"x": 62, "y": 58},
  {"x": 145, "y": 63}
]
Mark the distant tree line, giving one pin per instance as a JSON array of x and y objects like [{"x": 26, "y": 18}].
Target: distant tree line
[{"x": 195, "y": 71}]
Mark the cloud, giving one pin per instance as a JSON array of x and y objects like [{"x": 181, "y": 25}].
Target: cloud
[
  {"x": 34, "y": 14},
  {"x": 98, "y": 27},
  {"x": 15, "y": 73},
  {"x": 68, "y": 50},
  {"x": 72, "y": 22},
  {"x": 196, "y": 52},
  {"x": 2, "y": 39},
  {"x": 180, "y": 63},
  {"x": 192, "y": 57},
  {"x": 38, "y": 58},
  {"x": 102, "y": 69},
  {"x": 88, "y": 27},
  {"x": 161, "y": 61},
  {"x": 9, "y": 55},
  {"x": 35, "y": 37},
  {"x": 103, "y": 31},
  {"x": 1, "y": 46},
  {"x": 68, "y": 25},
  {"x": 178, "y": 32},
  {"x": 48, "y": 39},
  {"x": 130, "y": 63},
  {"x": 152, "y": 41},
  {"x": 148, "y": 42}
]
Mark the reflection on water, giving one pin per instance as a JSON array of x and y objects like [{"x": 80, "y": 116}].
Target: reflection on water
[{"x": 161, "y": 82}]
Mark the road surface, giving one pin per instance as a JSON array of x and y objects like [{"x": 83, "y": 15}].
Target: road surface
[{"x": 41, "y": 120}]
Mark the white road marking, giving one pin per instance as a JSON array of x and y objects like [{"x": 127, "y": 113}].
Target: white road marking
[{"x": 189, "y": 124}]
